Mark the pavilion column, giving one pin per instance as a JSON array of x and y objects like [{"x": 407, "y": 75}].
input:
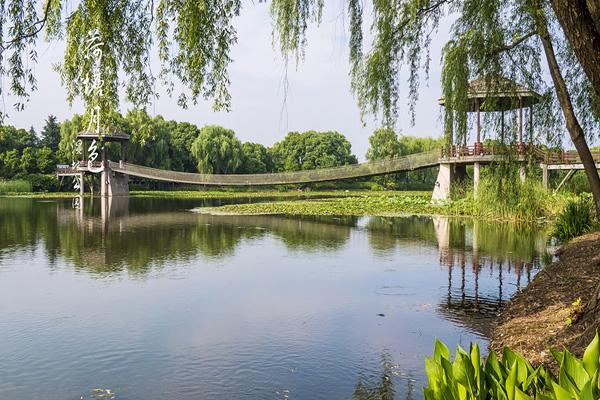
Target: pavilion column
[
  {"x": 545, "y": 176},
  {"x": 502, "y": 128},
  {"x": 520, "y": 121},
  {"x": 477, "y": 143},
  {"x": 84, "y": 148},
  {"x": 531, "y": 124}
]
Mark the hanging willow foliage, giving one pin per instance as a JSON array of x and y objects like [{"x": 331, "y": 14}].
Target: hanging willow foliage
[{"x": 194, "y": 39}]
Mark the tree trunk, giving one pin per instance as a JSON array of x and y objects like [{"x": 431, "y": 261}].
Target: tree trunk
[
  {"x": 573, "y": 126},
  {"x": 580, "y": 21}
]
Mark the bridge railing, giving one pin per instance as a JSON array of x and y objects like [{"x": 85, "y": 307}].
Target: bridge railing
[
  {"x": 568, "y": 157},
  {"x": 479, "y": 149}
]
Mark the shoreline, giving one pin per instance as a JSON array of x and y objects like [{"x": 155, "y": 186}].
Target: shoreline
[
  {"x": 327, "y": 203},
  {"x": 558, "y": 309}
]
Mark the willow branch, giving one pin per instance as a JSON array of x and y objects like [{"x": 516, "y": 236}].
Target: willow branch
[{"x": 38, "y": 25}]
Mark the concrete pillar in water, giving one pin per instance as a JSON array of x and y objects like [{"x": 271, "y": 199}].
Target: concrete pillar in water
[
  {"x": 113, "y": 183},
  {"x": 476, "y": 168},
  {"x": 443, "y": 184},
  {"x": 522, "y": 172},
  {"x": 545, "y": 176}
]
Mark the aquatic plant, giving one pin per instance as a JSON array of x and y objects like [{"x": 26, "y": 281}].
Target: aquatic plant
[
  {"x": 14, "y": 186},
  {"x": 575, "y": 220},
  {"x": 512, "y": 378},
  {"x": 516, "y": 200},
  {"x": 469, "y": 377}
]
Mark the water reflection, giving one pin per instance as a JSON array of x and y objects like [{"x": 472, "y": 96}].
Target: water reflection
[
  {"x": 269, "y": 306},
  {"x": 383, "y": 385}
]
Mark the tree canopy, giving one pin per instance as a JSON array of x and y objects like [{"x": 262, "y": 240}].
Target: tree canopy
[
  {"x": 217, "y": 150},
  {"x": 311, "y": 150},
  {"x": 111, "y": 44}
]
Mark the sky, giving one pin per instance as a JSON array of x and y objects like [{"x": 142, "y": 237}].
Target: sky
[{"x": 318, "y": 89}]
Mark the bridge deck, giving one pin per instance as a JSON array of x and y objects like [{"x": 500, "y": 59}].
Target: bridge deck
[
  {"x": 462, "y": 155},
  {"x": 382, "y": 167}
]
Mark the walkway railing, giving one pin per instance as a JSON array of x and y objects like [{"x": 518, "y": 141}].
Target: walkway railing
[
  {"x": 381, "y": 167},
  {"x": 567, "y": 157},
  {"x": 543, "y": 155}
]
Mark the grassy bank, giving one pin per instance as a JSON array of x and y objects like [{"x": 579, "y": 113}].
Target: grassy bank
[
  {"x": 531, "y": 204},
  {"x": 545, "y": 208},
  {"x": 559, "y": 308}
]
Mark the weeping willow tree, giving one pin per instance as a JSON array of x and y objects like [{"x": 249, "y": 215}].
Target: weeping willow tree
[{"x": 523, "y": 40}]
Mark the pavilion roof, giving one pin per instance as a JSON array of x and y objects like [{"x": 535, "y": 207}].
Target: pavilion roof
[
  {"x": 497, "y": 93},
  {"x": 111, "y": 136}
]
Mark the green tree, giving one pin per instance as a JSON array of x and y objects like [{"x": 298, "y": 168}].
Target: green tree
[
  {"x": 183, "y": 135},
  {"x": 28, "y": 161},
  {"x": 217, "y": 150},
  {"x": 383, "y": 144},
  {"x": 67, "y": 146},
  {"x": 150, "y": 141},
  {"x": 51, "y": 133},
  {"x": 10, "y": 161},
  {"x": 46, "y": 160},
  {"x": 256, "y": 159},
  {"x": 511, "y": 38},
  {"x": 413, "y": 145},
  {"x": 311, "y": 150},
  {"x": 12, "y": 138},
  {"x": 326, "y": 150}
]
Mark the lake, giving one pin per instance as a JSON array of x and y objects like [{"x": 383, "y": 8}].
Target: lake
[{"x": 145, "y": 299}]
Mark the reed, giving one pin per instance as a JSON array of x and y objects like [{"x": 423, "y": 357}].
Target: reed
[{"x": 15, "y": 186}]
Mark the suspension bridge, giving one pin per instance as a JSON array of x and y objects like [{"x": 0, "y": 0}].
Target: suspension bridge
[{"x": 489, "y": 94}]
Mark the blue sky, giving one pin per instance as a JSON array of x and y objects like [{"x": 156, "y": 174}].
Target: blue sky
[{"x": 318, "y": 96}]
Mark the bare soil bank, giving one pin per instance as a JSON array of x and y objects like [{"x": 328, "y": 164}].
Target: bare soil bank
[{"x": 537, "y": 318}]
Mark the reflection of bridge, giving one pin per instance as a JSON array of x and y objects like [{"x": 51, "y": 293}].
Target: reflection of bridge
[{"x": 465, "y": 303}]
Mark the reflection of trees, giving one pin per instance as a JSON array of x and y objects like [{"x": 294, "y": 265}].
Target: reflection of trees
[
  {"x": 380, "y": 386},
  {"x": 386, "y": 233},
  {"x": 308, "y": 233},
  {"x": 138, "y": 235}
]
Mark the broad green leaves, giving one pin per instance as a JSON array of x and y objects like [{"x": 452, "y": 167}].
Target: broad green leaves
[{"x": 468, "y": 378}]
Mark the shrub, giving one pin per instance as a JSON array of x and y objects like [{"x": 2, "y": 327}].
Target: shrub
[
  {"x": 376, "y": 187},
  {"x": 576, "y": 219},
  {"x": 15, "y": 186},
  {"x": 513, "y": 378},
  {"x": 42, "y": 183}
]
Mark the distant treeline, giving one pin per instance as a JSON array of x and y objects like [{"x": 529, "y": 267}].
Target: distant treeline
[{"x": 182, "y": 146}]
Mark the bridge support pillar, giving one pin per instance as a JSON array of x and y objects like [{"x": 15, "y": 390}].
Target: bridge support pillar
[
  {"x": 545, "y": 176},
  {"x": 113, "y": 183},
  {"x": 444, "y": 181},
  {"x": 81, "y": 184},
  {"x": 476, "y": 170}
]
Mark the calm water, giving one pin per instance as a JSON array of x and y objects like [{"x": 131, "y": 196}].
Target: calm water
[{"x": 152, "y": 301}]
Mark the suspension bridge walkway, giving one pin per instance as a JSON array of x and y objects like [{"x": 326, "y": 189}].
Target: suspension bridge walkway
[
  {"x": 115, "y": 175},
  {"x": 367, "y": 169}
]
